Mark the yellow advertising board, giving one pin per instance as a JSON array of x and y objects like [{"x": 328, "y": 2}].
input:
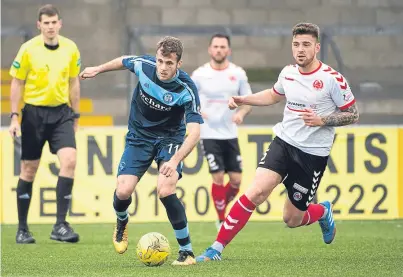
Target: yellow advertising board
[
  {"x": 400, "y": 173},
  {"x": 361, "y": 179}
]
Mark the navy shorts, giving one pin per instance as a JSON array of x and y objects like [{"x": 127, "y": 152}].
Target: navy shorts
[{"x": 140, "y": 152}]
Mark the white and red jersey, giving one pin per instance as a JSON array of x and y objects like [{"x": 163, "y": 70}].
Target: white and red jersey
[
  {"x": 215, "y": 88},
  {"x": 323, "y": 90}
]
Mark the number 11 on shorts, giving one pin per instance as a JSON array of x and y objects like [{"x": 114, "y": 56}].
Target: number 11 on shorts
[{"x": 171, "y": 145}]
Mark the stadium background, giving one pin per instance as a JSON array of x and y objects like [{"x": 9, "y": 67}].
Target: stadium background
[{"x": 364, "y": 177}]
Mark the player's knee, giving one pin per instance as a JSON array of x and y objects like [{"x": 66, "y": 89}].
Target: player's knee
[
  {"x": 123, "y": 192},
  {"x": 218, "y": 178},
  {"x": 123, "y": 189},
  {"x": 291, "y": 221},
  {"x": 69, "y": 163},
  {"x": 28, "y": 170},
  {"x": 164, "y": 192},
  {"x": 235, "y": 181},
  {"x": 68, "y": 160},
  {"x": 165, "y": 189},
  {"x": 257, "y": 195}
]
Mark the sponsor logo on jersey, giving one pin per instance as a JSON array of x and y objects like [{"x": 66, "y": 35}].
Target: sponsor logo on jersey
[
  {"x": 347, "y": 95},
  {"x": 295, "y": 104},
  {"x": 296, "y": 107},
  {"x": 318, "y": 84},
  {"x": 150, "y": 102}
]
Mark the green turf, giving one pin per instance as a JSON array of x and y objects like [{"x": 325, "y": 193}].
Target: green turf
[{"x": 361, "y": 248}]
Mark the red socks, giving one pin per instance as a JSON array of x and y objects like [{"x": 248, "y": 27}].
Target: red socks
[
  {"x": 236, "y": 220},
  {"x": 221, "y": 197},
  {"x": 218, "y": 194},
  {"x": 231, "y": 192},
  {"x": 313, "y": 214}
]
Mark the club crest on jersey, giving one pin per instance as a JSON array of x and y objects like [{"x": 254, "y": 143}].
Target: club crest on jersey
[
  {"x": 232, "y": 78},
  {"x": 168, "y": 97},
  {"x": 317, "y": 84}
]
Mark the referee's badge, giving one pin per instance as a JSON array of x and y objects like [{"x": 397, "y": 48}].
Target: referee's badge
[
  {"x": 168, "y": 97},
  {"x": 16, "y": 64}
]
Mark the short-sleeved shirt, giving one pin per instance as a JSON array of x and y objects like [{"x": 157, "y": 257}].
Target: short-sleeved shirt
[
  {"x": 215, "y": 88},
  {"x": 46, "y": 72},
  {"x": 325, "y": 91},
  {"x": 161, "y": 108}
]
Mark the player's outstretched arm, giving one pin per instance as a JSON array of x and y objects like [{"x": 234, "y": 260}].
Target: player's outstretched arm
[
  {"x": 115, "y": 64},
  {"x": 265, "y": 97},
  {"x": 342, "y": 117}
]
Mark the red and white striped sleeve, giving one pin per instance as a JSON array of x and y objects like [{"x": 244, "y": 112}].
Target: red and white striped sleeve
[{"x": 341, "y": 92}]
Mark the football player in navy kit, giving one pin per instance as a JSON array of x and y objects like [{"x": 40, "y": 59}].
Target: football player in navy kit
[{"x": 165, "y": 103}]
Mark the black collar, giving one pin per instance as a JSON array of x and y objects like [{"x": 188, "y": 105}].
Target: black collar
[{"x": 51, "y": 47}]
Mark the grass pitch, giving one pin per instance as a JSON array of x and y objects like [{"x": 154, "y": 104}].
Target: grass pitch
[{"x": 361, "y": 248}]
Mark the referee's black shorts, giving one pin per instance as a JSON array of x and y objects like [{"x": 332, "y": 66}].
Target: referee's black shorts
[{"x": 40, "y": 124}]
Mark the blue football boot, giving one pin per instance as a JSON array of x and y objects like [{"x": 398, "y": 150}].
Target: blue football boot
[
  {"x": 209, "y": 255},
  {"x": 327, "y": 223}
]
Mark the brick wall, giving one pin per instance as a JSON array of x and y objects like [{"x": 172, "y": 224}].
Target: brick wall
[{"x": 97, "y": 26}]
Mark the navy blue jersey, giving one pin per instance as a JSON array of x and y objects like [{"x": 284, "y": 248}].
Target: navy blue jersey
[{"x": 161, "y": 108}]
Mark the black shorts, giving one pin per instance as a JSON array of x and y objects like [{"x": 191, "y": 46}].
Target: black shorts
[
  {"x": 222, "y": 155},
  {"x": 40, "y": 124},
  {"x": 301, "y": 172}
]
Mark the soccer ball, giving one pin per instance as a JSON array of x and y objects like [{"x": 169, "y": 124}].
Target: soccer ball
[{"x": 153, "y": 249}]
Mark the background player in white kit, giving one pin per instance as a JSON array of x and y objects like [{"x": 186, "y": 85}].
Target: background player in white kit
[
  {"x": 317, "y": 99},
  {"x": 217, "y": 81}
]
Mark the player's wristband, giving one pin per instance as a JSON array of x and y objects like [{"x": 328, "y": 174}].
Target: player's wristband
[
  {"x": 12, "y": 114},
  {"x": 76, "y": 116}
]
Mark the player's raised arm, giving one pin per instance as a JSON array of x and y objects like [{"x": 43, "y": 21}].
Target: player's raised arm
[
  {"x": 124, "y": 62},
  {"x": 265, "y": 97}
]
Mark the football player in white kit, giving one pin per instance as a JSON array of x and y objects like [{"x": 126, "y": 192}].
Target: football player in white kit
[
  {"x": 217, "y": 81},
  {"x": 318, "y": 98}
]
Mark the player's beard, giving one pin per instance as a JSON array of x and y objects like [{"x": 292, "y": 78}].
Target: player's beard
[
  {"x": 305, "y": 63},
  {"x": 221, "y": 60}
]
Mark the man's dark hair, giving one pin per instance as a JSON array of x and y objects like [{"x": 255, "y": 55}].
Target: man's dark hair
[
  {"x": 170, "y": 45},
  {"x": 305, "y": 28},
  {"x": 48, "y": 10},
  {"x": 218, "y": 35}
]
